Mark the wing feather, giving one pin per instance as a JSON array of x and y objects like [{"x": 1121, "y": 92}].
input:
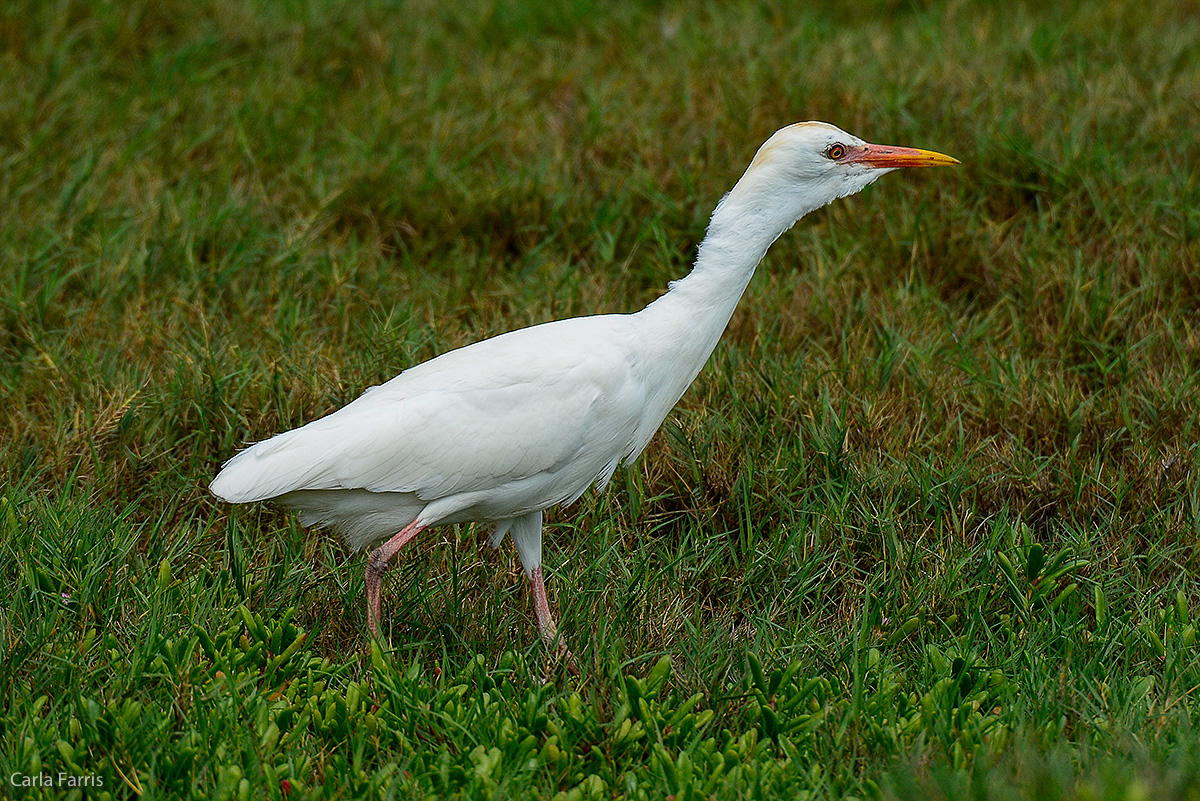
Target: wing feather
[{"x": 542, "y": 401}]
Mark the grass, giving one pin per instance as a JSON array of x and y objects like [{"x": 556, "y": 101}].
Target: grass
[{"x": 926, "y": 525}]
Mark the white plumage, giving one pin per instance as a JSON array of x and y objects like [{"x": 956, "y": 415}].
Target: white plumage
[{"x": 499, "y": 430}]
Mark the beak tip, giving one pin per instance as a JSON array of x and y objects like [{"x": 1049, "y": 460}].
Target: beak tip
[{"x": 889, "y": 157}]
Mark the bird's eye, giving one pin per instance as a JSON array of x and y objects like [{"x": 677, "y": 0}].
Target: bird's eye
[{"x": 835, "y": 152}]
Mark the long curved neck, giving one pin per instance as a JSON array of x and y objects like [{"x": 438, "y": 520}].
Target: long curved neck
[
  {"x": 693, "y": 313},
  {"x": 680, "y": 329}
]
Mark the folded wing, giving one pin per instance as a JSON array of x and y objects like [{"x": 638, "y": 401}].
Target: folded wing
[{"x": 527, "y": 419}]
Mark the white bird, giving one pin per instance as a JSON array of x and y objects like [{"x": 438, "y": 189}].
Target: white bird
[{"x": 502, "y": 429}]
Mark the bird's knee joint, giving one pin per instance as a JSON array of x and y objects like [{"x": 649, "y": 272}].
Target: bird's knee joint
[{"x": 377, "y": 564}]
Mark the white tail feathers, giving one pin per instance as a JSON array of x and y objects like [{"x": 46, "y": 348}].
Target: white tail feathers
[{"x": 293, "y": 460}]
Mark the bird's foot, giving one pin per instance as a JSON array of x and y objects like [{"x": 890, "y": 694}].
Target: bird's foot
[
  {"x": 560, "y": 657},
  {"x": 567, "y": 659}
]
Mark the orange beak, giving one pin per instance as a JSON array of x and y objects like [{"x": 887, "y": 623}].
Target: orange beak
[{"x": 889, "y": 157}]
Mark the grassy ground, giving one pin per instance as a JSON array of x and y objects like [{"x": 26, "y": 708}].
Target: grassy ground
[{"x": 926, "y": 524}]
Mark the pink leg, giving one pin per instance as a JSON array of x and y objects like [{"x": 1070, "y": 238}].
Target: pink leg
[
  {"x": 541, "y": 605},
  {"x": 546, "y": 626},
  {"x": 377, "y": 563}
]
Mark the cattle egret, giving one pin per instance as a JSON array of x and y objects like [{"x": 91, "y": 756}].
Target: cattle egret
[{"x": 500, "y": 430}]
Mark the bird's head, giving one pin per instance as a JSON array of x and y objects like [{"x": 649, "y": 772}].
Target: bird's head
[{"x": 807, "y": 165}]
